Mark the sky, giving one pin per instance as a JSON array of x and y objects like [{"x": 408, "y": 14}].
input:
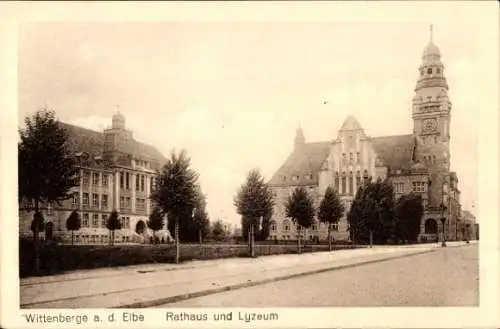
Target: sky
[{"x": 232, "y": 93}]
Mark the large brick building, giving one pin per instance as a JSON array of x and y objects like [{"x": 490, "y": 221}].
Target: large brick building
[
  {"x": 417, "y": 162},
  {"x": 116, "y": 173}
]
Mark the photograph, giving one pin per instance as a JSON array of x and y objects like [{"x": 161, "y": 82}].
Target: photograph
[{"x": 178, "y": 194}]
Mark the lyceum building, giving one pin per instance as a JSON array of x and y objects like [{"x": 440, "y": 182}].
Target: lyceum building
[
  {"x": 116, "y": 173},
  {"x": 418, "y": 162}
]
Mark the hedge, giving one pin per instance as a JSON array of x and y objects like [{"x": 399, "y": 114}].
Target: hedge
[{"x": 56, "y": 258}]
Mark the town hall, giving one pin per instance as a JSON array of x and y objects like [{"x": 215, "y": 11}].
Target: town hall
[{"x": 418, "y": 162}]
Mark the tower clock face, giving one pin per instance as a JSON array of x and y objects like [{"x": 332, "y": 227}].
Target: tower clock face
[{"x": 429, "y": 125}]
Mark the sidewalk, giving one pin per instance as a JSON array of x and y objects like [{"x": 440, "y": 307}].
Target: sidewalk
[{"x": 147, "y": 286}]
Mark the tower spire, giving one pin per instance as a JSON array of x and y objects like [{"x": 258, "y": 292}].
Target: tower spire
[{"x": 431, "y": 30}]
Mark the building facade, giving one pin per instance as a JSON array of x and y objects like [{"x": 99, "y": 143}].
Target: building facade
[
  {"x": 418, "y": 162},
  {"x": 468, "y": 228},
  {"x": 116, "y": 173}
]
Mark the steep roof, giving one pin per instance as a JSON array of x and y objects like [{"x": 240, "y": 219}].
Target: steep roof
[
  {"x": 351, "y": 123},
  {"x": 395, "y": 152},
  {"x": 303, "y": 161},
  {"x": 92, "y": 142}
]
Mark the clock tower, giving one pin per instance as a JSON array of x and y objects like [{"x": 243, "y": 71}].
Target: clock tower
[{"x": 431, "y": 110}]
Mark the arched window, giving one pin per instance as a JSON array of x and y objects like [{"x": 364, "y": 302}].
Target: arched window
[
  {"x": 273, "y": 227},
  {"x": 429, "y": 70},
  {"x": 286, "y": 225}
]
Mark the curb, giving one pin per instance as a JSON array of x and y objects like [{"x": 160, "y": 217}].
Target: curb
[{"x": 181, "y": 297}]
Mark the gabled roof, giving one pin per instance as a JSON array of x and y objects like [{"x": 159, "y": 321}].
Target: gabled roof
[
  {"x": 351, "y": 123},
  {"x": 395, "y": 152},
  {"x": 303, "y": 161}
]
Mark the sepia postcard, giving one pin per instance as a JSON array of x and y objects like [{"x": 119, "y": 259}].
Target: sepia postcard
[{"x": 249, "y": 164}]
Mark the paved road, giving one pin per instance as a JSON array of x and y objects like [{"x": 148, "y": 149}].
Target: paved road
[{"x": 444, "y": 277}]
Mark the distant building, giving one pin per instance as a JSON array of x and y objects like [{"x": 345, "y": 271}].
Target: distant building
[
  {"x": 468, "y": 226},
  {"x": 116, "y": 173},
  {"x": 418, "y": 162}
]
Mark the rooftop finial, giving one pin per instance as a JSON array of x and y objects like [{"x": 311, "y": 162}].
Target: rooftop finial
[
  {"x": 118, "y": 108},
  {"x": 431, "y": 28}
]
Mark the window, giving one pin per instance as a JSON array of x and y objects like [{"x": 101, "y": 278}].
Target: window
[
  {"x": 351, "y": 187},
  {"x": 127, "y": 202},
  {"x": 283, "y": 177},
  {"x": 286, "y": 226},
  {"x": 314, "y": 227},
  {"x": 127, "y": 181},
  {"x": 335, "y": 227},
  {"x": 143, "y": 182},
  {"x": 152, "y": 183},
  {"x": 85, "y": 200},
  {"x": 104, "y": 201},
  {"x": 104, "y": 180},
  {"x": 74, "y": 200},
  {"x": 95, "y": 200},
  {"x": 95, "y": 179},
  {"x": 85, "y": 220},
  {"x": 122, "y": 180},
  {"x": 343, "y": 184},
  {"x": 429, "y": 70},
  {"x": 122, "y": 203},
  {"x": 344, "y": 159},
  {"x": 294, "y": 178},
  {"x": 418, "y": 186},
  {"x": 399, "y": 187},
  {"x": 337, "y": 182},
  {"x": 137, "y": 182},
  {"x": 358, "y": 158},
  {"x": 86, "y": 179},
  {"x": 351, "y": 158},
  {"x": 104, "y": 220},
  {"x": 273, "y": 227},
  {"x": 95, "y": 220},
  {"x": 438, "y": 70}
]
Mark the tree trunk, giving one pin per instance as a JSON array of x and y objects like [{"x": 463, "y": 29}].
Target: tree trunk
[
  {"x": 298, "y": 240},
  {"x": 329, "y": 236},
  {"x": 35, "y": 239},
  {"x": 199, "y": 236},
  {"x": 72, "y": 237},
  {"x": 177, "y": 247},
  {"x": 371, "y": 239},
  {"x": 252, "y": 243}
]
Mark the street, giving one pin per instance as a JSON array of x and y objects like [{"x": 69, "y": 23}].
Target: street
[{"x": 445, "y": 277}]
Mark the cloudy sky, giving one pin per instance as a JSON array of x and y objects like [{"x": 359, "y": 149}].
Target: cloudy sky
[{"x": 233, "y": 93}]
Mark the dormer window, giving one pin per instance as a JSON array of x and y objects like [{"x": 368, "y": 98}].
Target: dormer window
[
  {"x": 429, "y": 70},
  {"x": 283, "y": 177},
  {"x": 294, "y": 178},
  {"x": 438, "y": 70},
  {"x": 310, "y": 176}
]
